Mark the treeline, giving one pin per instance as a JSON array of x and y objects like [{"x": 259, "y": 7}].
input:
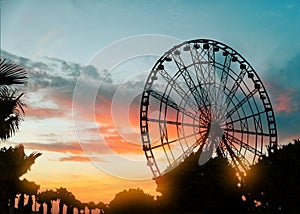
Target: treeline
[
  {"x": 14, "y": 163},
  {"x": 270, "y": 186}
]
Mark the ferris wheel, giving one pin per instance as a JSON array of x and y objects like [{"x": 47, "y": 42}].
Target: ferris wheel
[{"x": 203, "y": 96}]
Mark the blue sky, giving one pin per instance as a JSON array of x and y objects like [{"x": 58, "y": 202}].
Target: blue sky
[
  {"x": 76, "y": 30},
  {"x": 56, "y": 39},
  {"x": 266, "y": 33}
]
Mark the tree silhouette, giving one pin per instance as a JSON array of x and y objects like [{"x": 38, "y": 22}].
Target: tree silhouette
[
  {"x": 79, "y": 206},
  {"x": 13, "y": 164},
  {"x": 132, "y": 201},
  {"x": 67, "y": 198},
  {"x": 70, "y": 201},
  {"x": 11, "y": 105},
  {"x": 102, "y": 207},
  {"x": 91, "y": 206},
  {"x": 11, "y": 73},
  {"x": 29, "y": 188},
  {"x": 210, "y": 188},
  {"x": 47, "y": 197},
  {"x": 62, "y": 195},
  {"x": 272, "y": 185}
]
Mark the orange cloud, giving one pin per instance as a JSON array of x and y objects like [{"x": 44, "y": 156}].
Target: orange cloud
[
  {"x": 121, "y": 146},
  {"x": 102, "y": 110},
  {"x": 78, "y": 158},
  {"x": 70, "y": 147},
  {"x": 114, "y": 142}
]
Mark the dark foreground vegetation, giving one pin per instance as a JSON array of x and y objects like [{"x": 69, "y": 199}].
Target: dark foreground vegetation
[{"x": 271, "y": 186}]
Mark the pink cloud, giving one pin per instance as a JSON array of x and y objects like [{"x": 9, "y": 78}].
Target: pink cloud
[
  {"x": 284, "y": 101},
  {"x": 43, "y": 113}
]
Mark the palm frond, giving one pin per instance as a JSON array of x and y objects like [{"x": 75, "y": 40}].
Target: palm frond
[
  {"x": 11, "y": 73},
  {"x": 28, "y": 161},
  {"x": 11, "y": 112}
]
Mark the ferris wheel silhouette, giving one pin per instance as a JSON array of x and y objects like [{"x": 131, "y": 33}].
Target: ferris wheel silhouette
[{"x": 203, "y": 96}]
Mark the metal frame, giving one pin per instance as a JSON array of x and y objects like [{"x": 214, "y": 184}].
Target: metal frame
[{"x": 243, "y": 112}]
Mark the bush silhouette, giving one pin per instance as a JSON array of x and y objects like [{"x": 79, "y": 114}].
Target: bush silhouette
[
  {"x": 209, "y": 188},
  {"x": 273, "y": 183},
  {"x": 132, "y": 201}
]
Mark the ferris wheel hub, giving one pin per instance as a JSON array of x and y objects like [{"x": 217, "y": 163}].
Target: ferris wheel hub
[{"x": 215, "y": 130}]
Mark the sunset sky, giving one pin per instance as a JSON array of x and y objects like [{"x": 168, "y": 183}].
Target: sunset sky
[{"x": 91, "y": 144}]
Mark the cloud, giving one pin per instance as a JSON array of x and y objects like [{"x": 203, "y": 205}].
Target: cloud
[
  {"x": 283, "y": 86},
  {"x": 91, "y": 71},
  {"x": 121, "y": 146},
  {"x": 285, "y": 101},
  {"x": 53, "y": 81},
  {"x": 112, "y": 142},
  {"x": 116, "y": 115},
  {"x": 79, "y": 158},
  {"x": 44, "y": 113},
  {"x": 69, "y": 147}
]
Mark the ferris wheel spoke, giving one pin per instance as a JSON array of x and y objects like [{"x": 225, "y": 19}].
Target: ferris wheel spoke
[
  {"x": 178, "y": 139},
  {"x": 209, "y": 72},
  {"x": 179, "y": 90},
  {"x": 235, "y": 86},
  {"x": 223, "y": 81},
  {"x": 203, "y": 72},
  {"x": 241, "y": 103},
  {"x": 177, "y": 123},
  {"x": 200, "y": 97},
  {"x": 173, "y": 105},
  {"x": 231, "y": 138},
  {"x": 238, "y": 152},
  {"x": 228, "y": 123},
  {"x": 202, "y": 111},
  {"x": 225, "y": 70},
  {"x": 233, "y": 158},
  {"x": 238, "y": 160},
  {"x": 247, "y": 132},
  {"x": 196, "y": 95},
  {"x": 213, "y": 74},
  {"x": 203, "y": 120},
  {"x": 199, "y": 142}
]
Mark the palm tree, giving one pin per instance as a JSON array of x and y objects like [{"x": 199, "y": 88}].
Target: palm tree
[
  {"x": 79, "y": 205},
  {"x": 102, "y": 207},
  {"x": 91, "y": 206},
  {"x": 41, "y": 200},
  {"x": 11, "y": 73},
  {"x": 62, "y": 194},
  {"x": 11, "y": 105},
  {"x": 70, "y": 202},
  {"x": 13, "y": 164},
  {"x": 47, "y": 197},
  {"x": 29, "y": 188}
]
